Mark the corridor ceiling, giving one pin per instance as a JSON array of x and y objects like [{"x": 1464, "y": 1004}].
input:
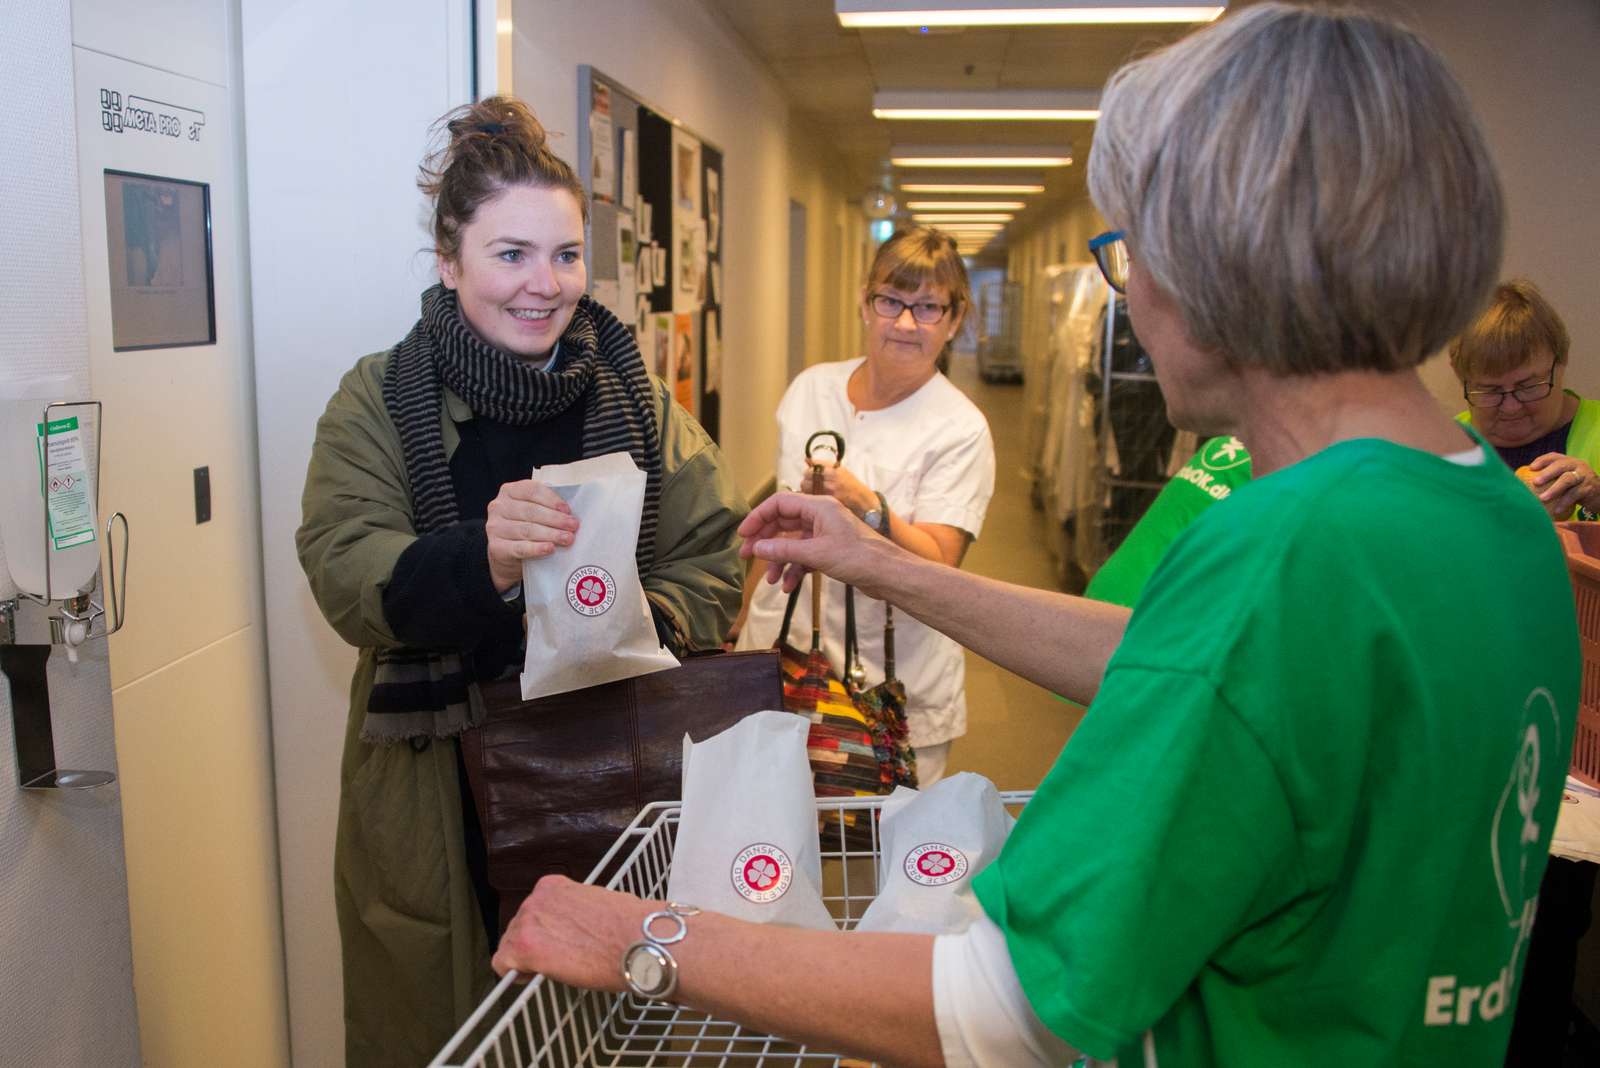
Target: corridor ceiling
[{"x": 829, "y": 75}]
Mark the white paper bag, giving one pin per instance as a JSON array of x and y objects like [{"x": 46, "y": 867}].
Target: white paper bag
[
  {"x": 747, "y": 840},
  {"x": 588, "y": 619},
  {"x": 934, "y": 842}
]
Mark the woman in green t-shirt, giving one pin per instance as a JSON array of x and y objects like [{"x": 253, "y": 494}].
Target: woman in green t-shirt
[{"x": 1306, "y": 820}]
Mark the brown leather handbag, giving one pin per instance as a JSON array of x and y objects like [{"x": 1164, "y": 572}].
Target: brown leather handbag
[{"x": 556, "y": 780}]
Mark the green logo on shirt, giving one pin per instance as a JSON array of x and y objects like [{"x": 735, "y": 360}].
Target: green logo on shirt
[
  {"x": 1514, "y": 841},
  {"x": 1224, "y": 454}
]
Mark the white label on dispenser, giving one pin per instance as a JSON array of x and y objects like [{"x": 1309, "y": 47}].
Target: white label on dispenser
[{"x": 64, "y": 480}]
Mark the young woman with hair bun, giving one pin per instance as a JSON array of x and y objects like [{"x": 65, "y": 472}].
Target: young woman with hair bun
[{"x": 418, "y": 514}]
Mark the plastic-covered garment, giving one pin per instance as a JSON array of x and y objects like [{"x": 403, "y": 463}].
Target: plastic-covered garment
[
  {"x": 1097, "y": 455},
  {"x": 1139, "y": 432}
]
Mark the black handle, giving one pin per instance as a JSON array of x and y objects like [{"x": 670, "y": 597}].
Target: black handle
[{"x": 838, "y": 444}]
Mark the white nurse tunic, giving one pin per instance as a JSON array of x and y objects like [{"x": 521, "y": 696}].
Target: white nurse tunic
[{"x": 932, "y": 458}]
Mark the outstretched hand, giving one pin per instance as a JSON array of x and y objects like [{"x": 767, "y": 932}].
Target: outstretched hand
[{"x": 795, "y": 533}]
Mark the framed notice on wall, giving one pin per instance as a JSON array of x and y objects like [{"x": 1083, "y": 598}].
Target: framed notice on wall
[{"x": 158, "y": 237}]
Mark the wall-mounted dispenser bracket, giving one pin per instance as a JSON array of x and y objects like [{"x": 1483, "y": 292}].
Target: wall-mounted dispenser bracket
[
  {"x": 24, "y": 663},
  {"x": 24, "y": 667}
]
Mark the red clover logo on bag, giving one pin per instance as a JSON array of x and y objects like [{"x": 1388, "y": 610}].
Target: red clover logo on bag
[
  {"x": 591, "y": 590},
  {"x": 762, "y": 873},
  {"x": 935, "y": 864}
]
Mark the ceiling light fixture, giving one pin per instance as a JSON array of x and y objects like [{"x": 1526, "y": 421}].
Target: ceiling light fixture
[
  {"x": 877, "y": 14},
  {"x": 957, "y": 187},
  {"x": 980, "y": 161},
  {"x": 965, "y": 217},
  {"x": 1079, "y": 105},
  {"x": 966, "y": 205},
  {"x": 971, "y": 228},
  {"x": 987, "y": 114}
]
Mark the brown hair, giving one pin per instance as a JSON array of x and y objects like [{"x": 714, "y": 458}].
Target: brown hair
[
  {"x": 489, "y": 146},
  {"x": 918, "y": 255},
  {"x": 1517, "y": 323}
]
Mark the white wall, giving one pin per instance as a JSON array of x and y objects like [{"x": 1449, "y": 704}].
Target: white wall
[
  {"x": 338, "y": 100},
  {"x": 1531, "y": 73},
  {"x": 682, "y": 60},
  {"x": 66, "y": 995},
  {"x": 188, "y": 672}
]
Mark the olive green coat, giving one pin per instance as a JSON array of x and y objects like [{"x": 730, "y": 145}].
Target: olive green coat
[{"x": 416, "y": 961}]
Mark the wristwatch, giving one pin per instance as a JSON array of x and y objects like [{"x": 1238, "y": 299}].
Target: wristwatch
[
  {"x": 878, "y": 518},
  {"x": 648, "y": 967}
]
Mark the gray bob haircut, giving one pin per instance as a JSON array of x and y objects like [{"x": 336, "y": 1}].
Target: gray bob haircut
[{"x": 1310, "y": 186}]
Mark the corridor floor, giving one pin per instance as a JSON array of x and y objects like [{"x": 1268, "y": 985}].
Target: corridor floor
[{"x": 1014, "y": 728}]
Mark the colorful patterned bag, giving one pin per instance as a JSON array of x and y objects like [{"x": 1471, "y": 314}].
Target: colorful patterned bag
[{"x": 858, "y": 743}]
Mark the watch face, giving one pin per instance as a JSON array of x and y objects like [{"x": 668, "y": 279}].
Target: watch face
[{"x": 646, "y": 970}]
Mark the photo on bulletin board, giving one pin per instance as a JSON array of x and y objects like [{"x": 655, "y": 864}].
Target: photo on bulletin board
[
  {"x": 602, "y": 145},
  {"x": 158, "y": 240},
  {"x": 691, "y": 262},
  {"x": 662, "y": 365},
  {"x": 713, "y": 209},
  {"x": 710, "y": 414},
  {"x": 684, "y": 362},
  {"x": 629, "y": 169},
  {"x": 686, "y": 173}
]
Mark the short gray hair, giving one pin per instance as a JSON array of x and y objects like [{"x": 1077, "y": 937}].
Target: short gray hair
[{"x": 1310, "y": 186}]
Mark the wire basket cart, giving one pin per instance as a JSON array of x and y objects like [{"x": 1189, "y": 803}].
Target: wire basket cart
[
  {"x": 547, "y": 1024},
  {"x": 1000, "y": 331}
]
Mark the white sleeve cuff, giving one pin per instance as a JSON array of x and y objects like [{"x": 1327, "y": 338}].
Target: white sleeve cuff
[{"x": 983, "y": 1016}]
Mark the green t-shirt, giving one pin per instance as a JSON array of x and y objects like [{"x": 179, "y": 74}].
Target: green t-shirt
[
  {"x": 1306, "y": 819},
  {"x": 1209, "y": 476}
]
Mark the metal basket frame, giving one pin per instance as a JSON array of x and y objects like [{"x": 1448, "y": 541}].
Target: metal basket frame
[{"x": 547, "y": 1024}]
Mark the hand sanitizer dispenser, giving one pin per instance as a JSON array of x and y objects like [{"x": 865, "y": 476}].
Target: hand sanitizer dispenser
[
  {"x": 47, "y": 500},
  {"x": 49, "y": 530}
]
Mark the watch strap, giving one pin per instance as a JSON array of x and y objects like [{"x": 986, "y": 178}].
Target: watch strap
[
  {"x": 655, "y": 945},
  {"x": 883, "y": 513}
]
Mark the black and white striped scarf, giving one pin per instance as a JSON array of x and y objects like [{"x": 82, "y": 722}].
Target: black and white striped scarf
[{"x": 425, "y": 692}]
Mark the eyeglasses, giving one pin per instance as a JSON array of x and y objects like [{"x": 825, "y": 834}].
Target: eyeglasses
[
  {"x": 1110, "y": 251},
  {"x": 1527, "y": 394},
  {"x": 925, "y": 312}
]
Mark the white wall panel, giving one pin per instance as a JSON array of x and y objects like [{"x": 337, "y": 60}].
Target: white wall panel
[
  {"x": 338, "y": 97},
  {"x": 188, "y": 669},
  {"x": 202, "y": 872},
  {"x": 186, "y": 37},
  {"x": 66, "y": 996},
  {"x": 171, "y": 410}
]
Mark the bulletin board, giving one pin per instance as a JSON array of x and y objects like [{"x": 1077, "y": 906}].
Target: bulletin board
[{"x": 655, "y": 236}]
